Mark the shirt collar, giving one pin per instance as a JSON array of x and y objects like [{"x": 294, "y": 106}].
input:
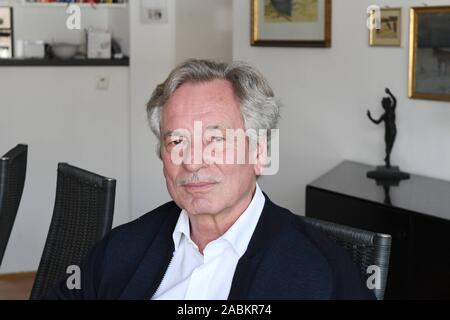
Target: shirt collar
[
  {"x": 238, "y": 235},
  {"x": 182, "y": 228}
]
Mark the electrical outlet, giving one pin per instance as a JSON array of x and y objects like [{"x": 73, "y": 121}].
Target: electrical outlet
[
  {"x": 102, "y": 83},
  {"x": 153, "y": 11}
]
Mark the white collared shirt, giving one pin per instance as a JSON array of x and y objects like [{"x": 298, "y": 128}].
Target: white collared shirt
[{"x": 193, "y": 276}]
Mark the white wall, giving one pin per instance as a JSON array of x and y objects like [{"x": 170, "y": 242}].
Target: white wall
[
  {"x": 119, "y": 25},
  {"x": 326, "y": 93},
  {"x": 204, "y": 30},
  {"x": 59, "y": 113},
  {"x": 152, "y": 57}
]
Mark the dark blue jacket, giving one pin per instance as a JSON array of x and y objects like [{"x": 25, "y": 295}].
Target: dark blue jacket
[{"x": 285, "y": 259}]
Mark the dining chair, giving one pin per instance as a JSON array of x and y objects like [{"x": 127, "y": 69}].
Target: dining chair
[
  {"x": 364, "y": 247},
  {"x": 13, "y": 167},
  {"x": 82, "y": 215}
]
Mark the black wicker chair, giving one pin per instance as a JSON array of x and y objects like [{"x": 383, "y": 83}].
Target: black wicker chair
[
  {"x": 13, "y": 167},
  {"x": 83, "y": 214},
  {"x": 365, "y": 248}
]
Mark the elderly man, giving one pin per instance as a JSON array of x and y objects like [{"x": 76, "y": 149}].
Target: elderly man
[{"x": 221, "y": 237}]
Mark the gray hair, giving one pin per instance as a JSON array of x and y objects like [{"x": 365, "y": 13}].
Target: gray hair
[{"x": 260, "y": 110}]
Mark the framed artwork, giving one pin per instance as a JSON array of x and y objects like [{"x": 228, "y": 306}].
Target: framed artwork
[
  {"x": 429, "y": 53},
  {"x": 390, "y": 32},
  {"x": 291, "y": 23}
]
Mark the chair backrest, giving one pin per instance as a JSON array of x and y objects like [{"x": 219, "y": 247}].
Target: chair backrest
[
  {"x": 83, "y": 214},
  {"x": 365, "y": 248},
  {"x": 13, "y": 167}
]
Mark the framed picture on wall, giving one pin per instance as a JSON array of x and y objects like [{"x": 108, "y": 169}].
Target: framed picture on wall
[
  {"x": 390, "y": 31},
  {"x": 429, "y": 53},
  {"x": 291, "y": 23}
]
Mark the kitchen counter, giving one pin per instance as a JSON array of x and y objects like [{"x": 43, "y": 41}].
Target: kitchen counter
[{"x": 64, "y": 62}]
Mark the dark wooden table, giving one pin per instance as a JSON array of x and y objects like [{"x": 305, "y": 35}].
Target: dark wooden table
[{"x": 416, "y": 213}]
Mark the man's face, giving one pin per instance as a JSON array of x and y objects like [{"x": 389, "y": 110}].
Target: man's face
[{"x": 197, "y": 186}]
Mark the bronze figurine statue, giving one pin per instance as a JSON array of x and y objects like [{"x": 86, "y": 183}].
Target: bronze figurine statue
[
  {"x": 389, "y": 104},
  {"x": 388, "y": 172}
]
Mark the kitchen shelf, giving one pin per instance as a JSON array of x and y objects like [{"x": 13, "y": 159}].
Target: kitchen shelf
[
  {"x": 81, "y": 5},
  {"x": 64, "y": 62}
]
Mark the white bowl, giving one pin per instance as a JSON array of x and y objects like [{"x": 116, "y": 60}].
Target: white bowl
[{"x": 64, "y": 50}]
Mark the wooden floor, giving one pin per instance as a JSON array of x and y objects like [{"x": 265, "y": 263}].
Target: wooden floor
[{"x": 16, "y": 286}]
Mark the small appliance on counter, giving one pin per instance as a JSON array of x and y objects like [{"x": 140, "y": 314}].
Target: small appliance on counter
[
  {"x": 6, "y": 33},
  {"x": 98, "y": 44},
  {"x": 33, "y": 49}
]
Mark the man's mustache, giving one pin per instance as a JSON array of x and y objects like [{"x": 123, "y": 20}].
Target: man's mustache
[{"x": 196, "y": 178}]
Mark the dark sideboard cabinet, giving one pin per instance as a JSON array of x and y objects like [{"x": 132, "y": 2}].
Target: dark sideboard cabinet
[{"x": 416, "y": 213}]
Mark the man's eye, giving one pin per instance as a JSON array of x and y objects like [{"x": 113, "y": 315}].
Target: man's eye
[
  {"x": 175, "y": 142},
  {"x": 217, "y": 139}
]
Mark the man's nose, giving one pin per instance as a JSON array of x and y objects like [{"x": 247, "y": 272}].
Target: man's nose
[{"x": 193, "y": 157}]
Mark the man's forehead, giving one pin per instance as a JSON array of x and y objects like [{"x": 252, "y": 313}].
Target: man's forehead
[{"x": 211, "y": 103}]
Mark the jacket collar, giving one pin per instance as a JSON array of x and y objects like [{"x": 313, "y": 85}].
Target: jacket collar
[
  {"x": 266, "y": 230},
  {"x": 150, "y": 272}
]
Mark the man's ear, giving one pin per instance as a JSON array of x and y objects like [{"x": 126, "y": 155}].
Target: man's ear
[{"x": 261, "y": 155}]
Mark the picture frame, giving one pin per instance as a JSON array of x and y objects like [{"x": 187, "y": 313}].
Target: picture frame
[
  {"x": 429, "y": 53},
  {"x": 291, "y": 23},
  {"x": 390, "y": 33}
]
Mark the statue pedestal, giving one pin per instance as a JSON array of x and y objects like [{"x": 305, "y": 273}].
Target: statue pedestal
[{"x": 383, "y": 174}]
